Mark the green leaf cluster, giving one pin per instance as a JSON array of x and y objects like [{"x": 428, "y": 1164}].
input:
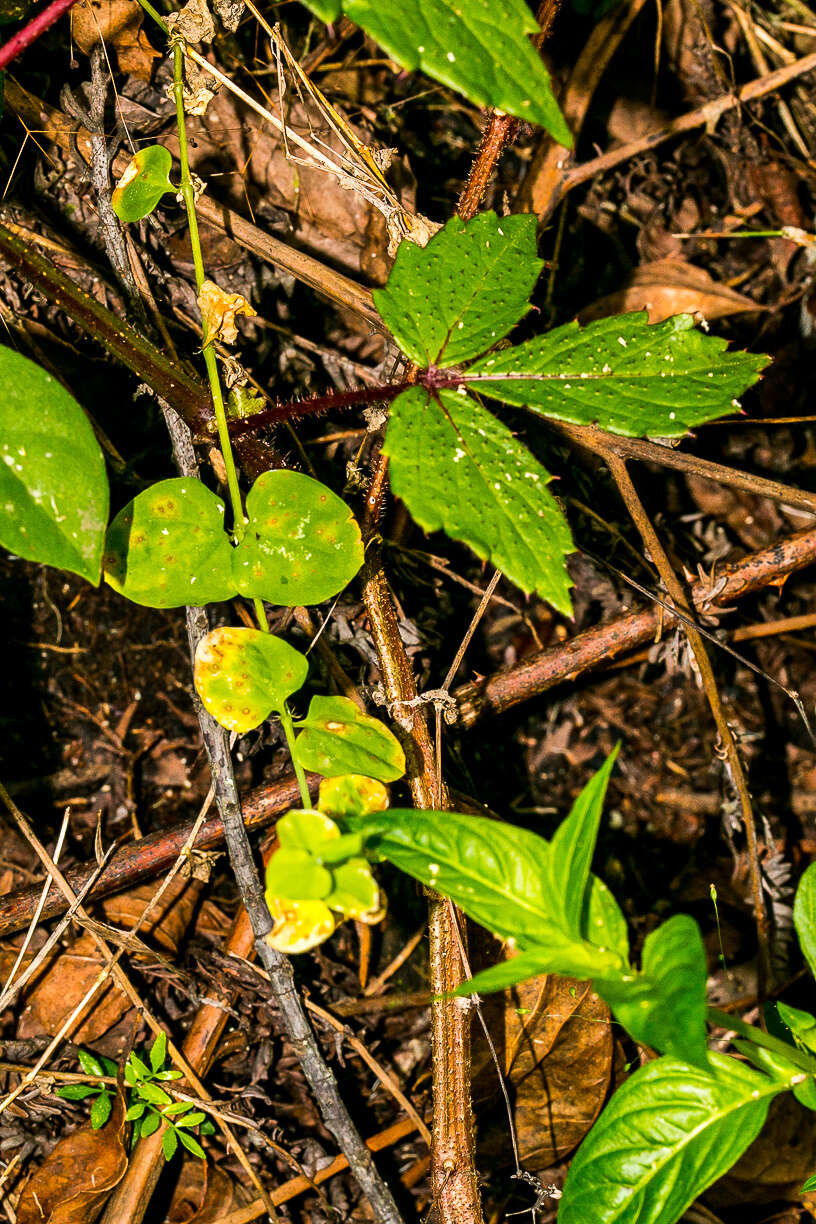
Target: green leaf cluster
[
  {"x": 458, "y": 467},
  {"x": 151, "y": 1106},
  {"x": 102, "y": 1093}
]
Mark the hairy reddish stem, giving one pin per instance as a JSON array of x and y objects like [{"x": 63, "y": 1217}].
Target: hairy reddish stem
[{"x": 30, "y": 33}]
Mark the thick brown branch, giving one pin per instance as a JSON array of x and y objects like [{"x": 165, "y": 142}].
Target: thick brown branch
[{"x": 557, "y": 664}]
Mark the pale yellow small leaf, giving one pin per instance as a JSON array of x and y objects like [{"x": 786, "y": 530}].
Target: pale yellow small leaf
[{"x": 218, "y": 310}]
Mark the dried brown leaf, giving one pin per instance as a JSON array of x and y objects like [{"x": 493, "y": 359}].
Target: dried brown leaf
[
  {"x": 219, "y": 309},
  {"x": 72, "y": 1183},
  {"x": 117, "y": 23},
  {"x": 668, "y": 287},
  {"x": 554, "y": 1042}
]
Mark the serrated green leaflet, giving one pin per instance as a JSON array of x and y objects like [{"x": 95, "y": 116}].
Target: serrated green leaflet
[
  {"x": 804, "y": 916},
  {"x": 301, "y": 545},
  {"x": 53, "y": 484},
  {"x": 145, "y": 180},
  {"x": 168, "y": 547},
  {"x": 463, "y": 292},
  {"x": 336, "y": 737},
  {"x": 624, "y": 374},
  {"x": 664, "y": 1006},
  {"x": 669, "y": 1132},
  {"x": 456, "y": 467},
  {"x": 480, "y": 49},
  {"x": 242, "y": 675}
]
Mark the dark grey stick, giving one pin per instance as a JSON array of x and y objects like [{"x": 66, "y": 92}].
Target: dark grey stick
[{"x": 281, "y": 978}]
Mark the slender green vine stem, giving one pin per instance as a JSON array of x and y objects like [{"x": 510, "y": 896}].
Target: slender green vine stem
[
  {"x": 725, "y": 1020},
  {"x": 289, "y": 732},
  {"x": 210, "y": 361}
]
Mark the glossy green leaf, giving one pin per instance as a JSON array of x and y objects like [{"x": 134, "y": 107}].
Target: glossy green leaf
[
  {"x": 351, "y": 795},
  {"x": 804, "y": 916},
  {"x": 456, "y": 467},
  {"x": 150, "y": 1123},
  {"x": 135, "y": 1111},
  {"x": 560, "y": 954},
  {"x": 295, "y": 875},
  {"x": 168, "y": 547},
  {"x": 76, "y": 1092},
  {"x": 191, "y": 1144},
  {"x": 669, "y": 1132},
  {"x": 801, "y": 1024},
  {"x": 338, "y": 738},
  {"x": 89, "y": 1063},
  {"x": 153, "y": 1094},
  {"x": 777, "y": 1066},
  {"x": 809, "y": 1185},
  {"x": 301, "y": 545},
  {"x": 603, "y": 923},
  {"x": 571, "y": 851},
  {"x": 495, "y": 872},
  {"x": 306, "y": 830},
  {"x": 355, "y": 893},
  {"x": 169, "y": 1143},
  {"x": 242, "y": 675},
  {"x": 472, "y": 46},
  {"x": 53, "y": 484},
  {"x": 459, "y": 295},
  {"x": 140, "y": 1069},
  {"x": 101, "y": 1110},
  {"x": 622, "y": 373},
  {"x": 665, "y": 1005},
  {"x": 145, "y": 180},
  {"x": 158, "y": 1051}
]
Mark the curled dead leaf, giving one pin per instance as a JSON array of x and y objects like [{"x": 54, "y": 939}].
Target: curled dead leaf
[
  {"x": 194, "y": 22},
  {"x": 219, "y": 309},
  {"x": 553, "y": 1038},
  {"x": 203, "y": 1194},
  {"x": 669, "y": 287},
  {"x": 72, "y": 1183},
  {"x": 118, "y": 24}
]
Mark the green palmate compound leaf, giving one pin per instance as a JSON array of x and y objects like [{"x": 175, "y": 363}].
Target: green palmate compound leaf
[
  {"x": 804, "y": 916},
  {"x": 664, "y": 1006},
  {"x": 242, "y": 675},
  {"x": 669, "y": 1132},
  {"x": 459, "y": 469},
  {"x": 458, "y": 296},
  {"x": 168, "y": 547},
  {"x": 338, "y": 738},
  {"x": 53, "y": 485},
  {"x": 302, "y": 544},
  {"x": 145, "y": 180},
  {"x": 478, "y": 48},
  {"x": 624, "y": 374},
  {"x": 571, "y": 850}
]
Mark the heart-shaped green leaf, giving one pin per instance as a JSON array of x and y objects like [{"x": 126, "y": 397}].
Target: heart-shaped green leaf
[
  {"x": 355, "y": 893},
  {"x": 168, "y": 547},
  {"x": 298, "y": 925},
  {"x": 296, "y": 875},
  {"x": 145, "y": 180},
  {"x": 351, "y": 795},
  {"x": 337, "y": 738},
  {"x": 53, "y": 485},
  {"x": 301, "y": 545},
  {"x": 461, "y": 294},
  {"x": 305, "y": 829},
  {"x": 242, "y": 675}
]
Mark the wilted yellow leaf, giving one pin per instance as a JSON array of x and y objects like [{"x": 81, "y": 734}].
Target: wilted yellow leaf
[{"x": 218, "y": 310}]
